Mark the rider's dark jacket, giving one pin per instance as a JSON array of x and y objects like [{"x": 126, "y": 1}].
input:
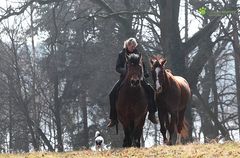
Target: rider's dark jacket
[{"x": 121, "y": 63}]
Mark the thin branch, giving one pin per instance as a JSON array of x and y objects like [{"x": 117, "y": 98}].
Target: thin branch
[{"x": 17, "y": 11}]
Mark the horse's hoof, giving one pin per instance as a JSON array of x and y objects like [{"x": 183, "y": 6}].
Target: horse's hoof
[
  {"x": 167, "y": 142},
  {"x": 178, "y": 143}
]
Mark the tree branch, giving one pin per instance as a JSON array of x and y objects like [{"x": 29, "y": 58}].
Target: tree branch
[
  {"x": 17, "y": 11},
  {"x": 189, "y": 45},
  {"x": 218, "y": 124}
]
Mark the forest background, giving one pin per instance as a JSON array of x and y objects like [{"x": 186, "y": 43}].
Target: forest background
[{"x": 57, "y": 67}]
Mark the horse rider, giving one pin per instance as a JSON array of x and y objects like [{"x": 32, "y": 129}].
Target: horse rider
[{"x": 128, "y": 48}]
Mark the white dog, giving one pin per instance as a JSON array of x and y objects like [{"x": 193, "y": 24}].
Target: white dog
[{"x": 99, "y": 142}]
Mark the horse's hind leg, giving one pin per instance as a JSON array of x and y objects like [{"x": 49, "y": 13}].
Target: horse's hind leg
[{"x": 180, "y": 127}]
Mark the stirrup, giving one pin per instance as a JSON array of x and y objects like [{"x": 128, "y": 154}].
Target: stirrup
[{"x": 112, "y": 123}]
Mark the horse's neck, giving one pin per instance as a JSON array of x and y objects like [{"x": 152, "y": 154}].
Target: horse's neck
[
  {"x": 125, "y": 82},
  {"x": 166, "y": 84},
  {"x": 170, "y": 81},
  {"x": 126, "y": 87}
]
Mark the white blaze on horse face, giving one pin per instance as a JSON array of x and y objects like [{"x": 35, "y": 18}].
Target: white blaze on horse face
[{"x": 158, "y": 86}]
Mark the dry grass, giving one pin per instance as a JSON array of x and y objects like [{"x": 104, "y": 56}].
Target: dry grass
[{"x": 214, "y": 150}]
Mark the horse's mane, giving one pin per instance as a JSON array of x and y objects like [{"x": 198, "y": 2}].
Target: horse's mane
[
  {"x": 133, "y": 58},
  {"x": 158, "y": 57}
]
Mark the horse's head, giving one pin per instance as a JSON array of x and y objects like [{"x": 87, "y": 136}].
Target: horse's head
[
  {"x": 157, "y": 65},
  {"x": 134, "y": 69}
]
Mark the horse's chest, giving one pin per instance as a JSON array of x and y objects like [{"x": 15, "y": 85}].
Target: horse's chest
[
  {"x": 133, "y": 102},
  {"x": 129, "y": 101},
  {"x": 167, "y": 100},
  {"x": 132, "y": 96}
]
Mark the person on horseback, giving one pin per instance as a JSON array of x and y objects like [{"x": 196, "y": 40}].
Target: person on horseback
[{"x": 129, "y": 47}]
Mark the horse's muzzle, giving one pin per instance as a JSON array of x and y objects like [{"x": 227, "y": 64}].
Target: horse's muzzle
[{"x": 135, "y": 83}]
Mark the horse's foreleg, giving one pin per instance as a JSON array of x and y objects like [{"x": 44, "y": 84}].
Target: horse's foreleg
[
  {"x": 127, "y": 142},
  {"x": 178, "y": 141},
  {"x": 162, "y": 118},
  {"x": 167, "y": 125},
  {"x": 137, "y": 137},
  {"x": 172, "y": 128}
]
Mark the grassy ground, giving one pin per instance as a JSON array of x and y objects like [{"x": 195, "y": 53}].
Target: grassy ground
[{"x": 226, "y": 150}]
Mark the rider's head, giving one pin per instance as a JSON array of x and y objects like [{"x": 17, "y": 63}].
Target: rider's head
[{"x": 130, "y": 44}]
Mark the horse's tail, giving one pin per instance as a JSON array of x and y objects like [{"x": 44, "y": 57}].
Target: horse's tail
[{"x": 184, "y": 131}]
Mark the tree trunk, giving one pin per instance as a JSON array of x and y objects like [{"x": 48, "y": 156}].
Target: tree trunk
[
  {"x": 236, "y": 48},
  {"x": 218, "y": 124},
  {"x": 55, "y": 79},
  {"x": 10, "y": 125},
  {"x": 45, "y": 140},
  {"x": 170, "y": 35},
  {"x": 85, "y": 136},
  {"x": 188, "y": 112},
  {"x": 186, "y": 20},
  {"x": 57, "y": 114},
  {"x": 212, "y": 71},
  {"x": 35, "y": 115},
  {"x": 20, "y": 100},
  {"x": 209, "y": 130}
]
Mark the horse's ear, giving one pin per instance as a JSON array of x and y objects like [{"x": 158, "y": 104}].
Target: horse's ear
[
  {"x": 151, "y": 62},
  {"x": 163, "y": 62}
]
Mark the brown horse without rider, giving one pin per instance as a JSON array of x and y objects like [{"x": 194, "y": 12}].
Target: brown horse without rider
[
  {"x": 172, "y": 96},
  {"x": 131, "y": 105}
]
